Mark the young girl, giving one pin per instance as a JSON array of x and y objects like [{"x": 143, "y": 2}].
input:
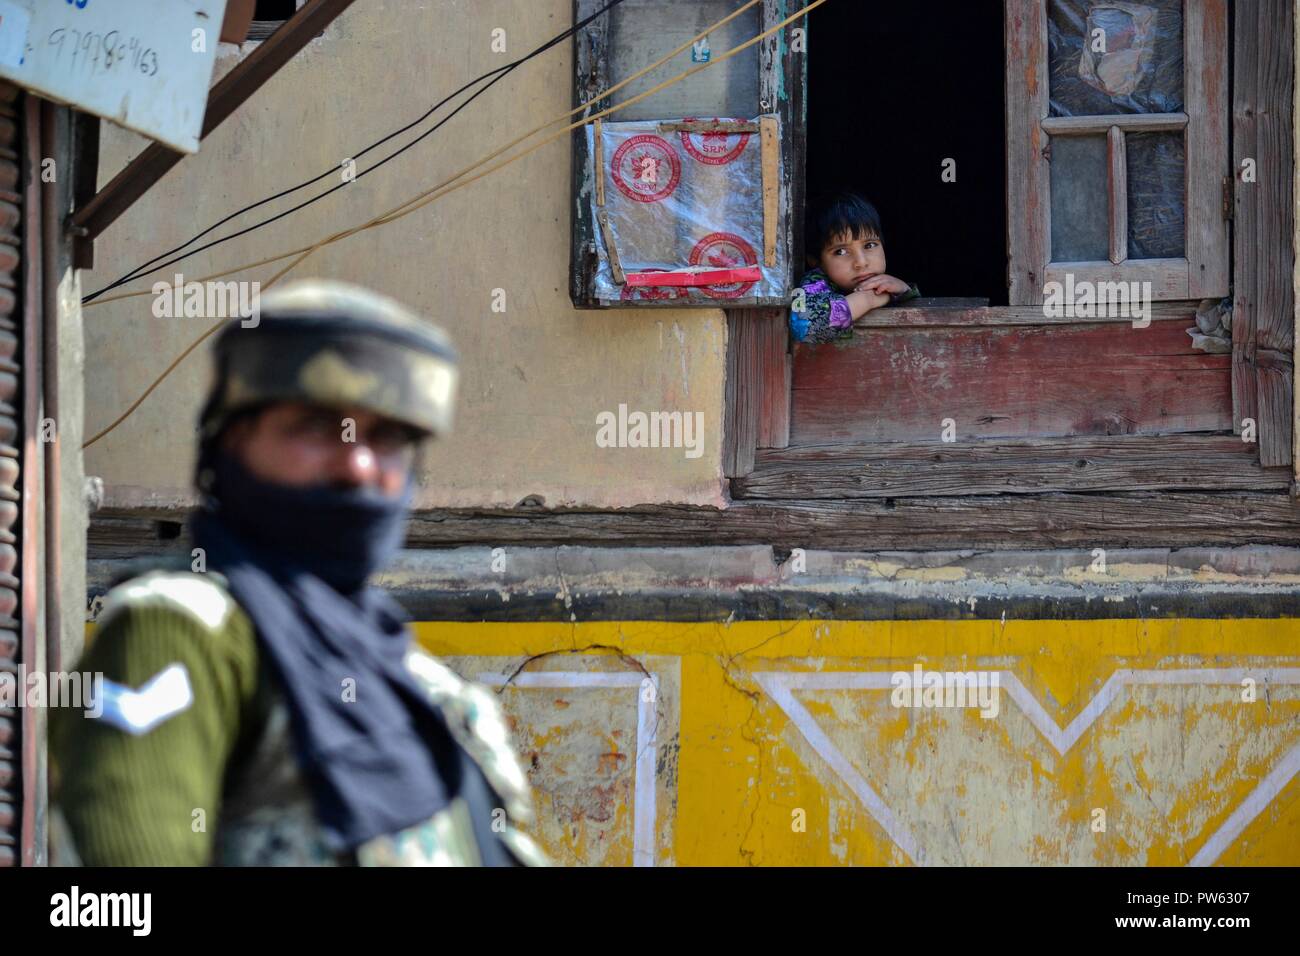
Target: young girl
[{"x": 844, "y": 240}]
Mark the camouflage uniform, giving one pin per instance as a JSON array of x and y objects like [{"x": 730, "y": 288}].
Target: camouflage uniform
[{"x": 207, "y": 774}]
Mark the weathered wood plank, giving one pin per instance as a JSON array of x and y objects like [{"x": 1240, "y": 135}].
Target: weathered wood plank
[
  {"x": 1276, "y": 210},
  {"x": 989, "y": 467},
  {"x": 1206, "y": 32},
  {"x": 930, "y": 313},
  {"x": 1128, "y": 520},
  {"x": 1264, "y": 261},
  {"x": 1274, "y": 378},
  {"x": 1275, "y": 301},
  {"x": 1027, "y": 170},
  {"x": 1246, "y": 252},
  {"x": 744, "y": 390},
  {"x": 1295, "y": 283},
  {"x": 900, "y": 385},
  {"x": 1142, "y": 519},
  {"x": 774, "y": 377}
]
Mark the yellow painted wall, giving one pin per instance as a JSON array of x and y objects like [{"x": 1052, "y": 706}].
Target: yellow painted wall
[
  {"x": 1183, "y": 767},
  {"x": 535, "y": 377}
]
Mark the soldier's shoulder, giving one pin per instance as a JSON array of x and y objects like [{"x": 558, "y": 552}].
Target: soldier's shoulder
[
  {"x": 475, "y": 717},
  {"x": 203, "y": 598}
]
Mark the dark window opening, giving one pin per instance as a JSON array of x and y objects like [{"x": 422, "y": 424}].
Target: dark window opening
[
  {"x": 893, "y": 91},
  {"x": 269, "y": 16},
  {"x": 275, "y": 9}
]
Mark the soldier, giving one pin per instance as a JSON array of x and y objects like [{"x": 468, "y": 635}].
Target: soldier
[{"x": 264, "y": 706}]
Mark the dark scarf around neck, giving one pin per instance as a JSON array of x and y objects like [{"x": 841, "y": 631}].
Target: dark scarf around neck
[{"x": 377, "y": 755}]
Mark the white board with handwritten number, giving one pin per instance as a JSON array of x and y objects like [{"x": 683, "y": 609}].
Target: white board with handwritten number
[{"x": 144, "y": 64}]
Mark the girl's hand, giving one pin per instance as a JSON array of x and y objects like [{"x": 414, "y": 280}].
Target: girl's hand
[
  {"x": 861, "y": 302},
  {"x": 883, "y": 285}
]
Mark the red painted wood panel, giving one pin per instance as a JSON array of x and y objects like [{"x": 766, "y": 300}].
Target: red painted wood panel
[{"x": 1027, "y": 381}]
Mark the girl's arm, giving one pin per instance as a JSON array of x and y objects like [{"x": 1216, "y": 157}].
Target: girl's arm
[{"x": 826, "y": 314}]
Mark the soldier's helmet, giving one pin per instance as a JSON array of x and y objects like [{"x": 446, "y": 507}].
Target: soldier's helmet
[{"x": 335, "y": 344}]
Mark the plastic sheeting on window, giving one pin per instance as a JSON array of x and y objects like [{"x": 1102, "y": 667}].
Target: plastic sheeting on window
[
  {"x": 1107, "y": 58},
  {"x": 686, "y": 203},
  {"x": 1157, "y": 185}
]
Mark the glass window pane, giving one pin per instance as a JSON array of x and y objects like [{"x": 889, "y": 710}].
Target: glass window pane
[
  {"x": 1157, "y": 177},
  {"x": 1109, "y": 58},
  {"x": 1080, "y": 199}
]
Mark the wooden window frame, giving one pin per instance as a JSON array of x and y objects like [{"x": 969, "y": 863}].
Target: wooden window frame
[
  {"x": 1203, "y": 272},
  {"x": 781, "y": 91}
]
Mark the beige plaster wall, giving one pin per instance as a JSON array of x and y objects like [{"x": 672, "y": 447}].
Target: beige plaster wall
[{"x": 535, "y": 377}]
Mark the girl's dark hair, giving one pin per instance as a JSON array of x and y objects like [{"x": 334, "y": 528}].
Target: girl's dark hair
[{"x": 844, "y": 212}]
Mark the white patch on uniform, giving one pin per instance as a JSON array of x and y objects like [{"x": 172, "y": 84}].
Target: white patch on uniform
[
  {"x": 194, "y": 594},
  {"x": 137, "y": 712}
]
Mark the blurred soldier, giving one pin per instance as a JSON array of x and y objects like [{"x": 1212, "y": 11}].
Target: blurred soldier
[{"x": 267, "y": 707}]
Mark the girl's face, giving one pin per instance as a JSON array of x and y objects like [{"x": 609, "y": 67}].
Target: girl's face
[{"x": 849, "y": 262}]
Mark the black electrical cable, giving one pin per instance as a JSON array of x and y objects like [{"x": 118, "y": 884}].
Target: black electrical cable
[{"x": 503, "y": 72}]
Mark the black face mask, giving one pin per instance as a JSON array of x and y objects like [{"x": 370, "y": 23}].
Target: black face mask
[
  {"x": 341, "y": 536},
  {"x": 296, "y": 560}
]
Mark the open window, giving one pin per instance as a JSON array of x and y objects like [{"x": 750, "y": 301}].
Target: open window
[
  {"x": 687, "y": 196},
  {"x": 1094, "y": 143}
]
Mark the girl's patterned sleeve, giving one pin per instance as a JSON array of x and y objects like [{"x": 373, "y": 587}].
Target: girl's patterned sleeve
[
  {"x": 825, "y": 315},
  {"x": 912, "y": 293}
]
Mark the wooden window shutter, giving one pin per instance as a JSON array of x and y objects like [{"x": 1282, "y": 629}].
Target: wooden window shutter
[
  {"x": 1091, "y": 154},
  {"x": 1263, "y": 226},
  {"x": 686, "y": 198}
]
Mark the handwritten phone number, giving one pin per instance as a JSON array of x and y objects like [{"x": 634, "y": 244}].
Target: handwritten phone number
[{"x": 103, "y": 52}]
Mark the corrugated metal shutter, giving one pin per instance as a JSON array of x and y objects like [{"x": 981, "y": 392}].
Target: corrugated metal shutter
[{"x": 11, "y": 737}]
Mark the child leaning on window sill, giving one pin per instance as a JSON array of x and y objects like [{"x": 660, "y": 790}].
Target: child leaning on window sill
[{"x": 849, "y": 279}]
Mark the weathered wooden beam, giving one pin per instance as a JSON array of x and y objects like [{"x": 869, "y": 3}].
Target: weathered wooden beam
[
  {"x": 944, "y": 313},
  {"x": 1017, "y": 522},
  {"x": 992, "y": 467},
  {"x": 231, "y": 92},
  {"x": 1048, "y": 521}
]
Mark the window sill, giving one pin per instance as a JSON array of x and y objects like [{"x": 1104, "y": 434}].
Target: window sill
[{"x": 957, "y": 312}]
